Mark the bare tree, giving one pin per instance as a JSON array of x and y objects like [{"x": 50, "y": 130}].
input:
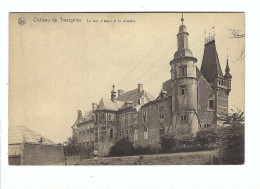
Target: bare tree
[{"x": 234, "y": 33}]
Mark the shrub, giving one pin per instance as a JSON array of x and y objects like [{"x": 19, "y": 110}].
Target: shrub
[
  {"x": 207, "y": 138},
  {"x": 144, "y": 150},
  {"x": 122, "y": 147},
  {"x": 167, "y": 142}
]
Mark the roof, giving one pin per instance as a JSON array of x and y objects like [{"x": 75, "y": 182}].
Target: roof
[
  {"x": 88, "y": 115},
  {"x": 134, "y": 95},
  {"x": 120, "y": 102},
  {"x": 15, "y": 150},
  {"x": 210, "y": 67},
  {"x": 20, "y": 135},
  {"x": 167, "y": 86},
  {"x": 107, "y": 104}
]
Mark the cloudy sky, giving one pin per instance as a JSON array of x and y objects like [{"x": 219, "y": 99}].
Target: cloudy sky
[{"x": 57, "y": 68}]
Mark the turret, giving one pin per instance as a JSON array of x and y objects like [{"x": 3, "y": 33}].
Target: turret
[
  {"x": 184, "y": 86},
  {"x": 228, "y": 78}
]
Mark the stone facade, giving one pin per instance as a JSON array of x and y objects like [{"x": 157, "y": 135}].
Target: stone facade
[{"x": 189, "y": 101}]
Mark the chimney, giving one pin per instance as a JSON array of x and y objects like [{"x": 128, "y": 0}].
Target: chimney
[
  {"x": 120, "y": 92},
  {"x": 79, "y": 115},
  {"x": 94, "y": 106},
  {"x": 140, "y": 87}
]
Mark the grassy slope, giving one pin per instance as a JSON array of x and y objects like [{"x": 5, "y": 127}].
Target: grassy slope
[{"x": 184, "y": 158}]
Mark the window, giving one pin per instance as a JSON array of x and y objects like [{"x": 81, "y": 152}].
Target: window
[
  {"x": 109, "y": 117},
  {"x": 207, "y": 125},
  {"x": 96, "y": 135},
  {"x": 183, "y": 71},
  {"x": 183, "y": 89},
  {"x": 145, "y": 133},
  {"x": 144, "y": 116},
  {"x": 211, "y": 104},
  {"x": 87, "y": 131},
  {"x": 96, "y": 116},
  {"x": 162, "y": 130},
  {"x": 102, "y": 117},
  {"x": 127, "y": 132},
  {"x": 131, "y": 118},
  {"x": 136, "y": 135},
  {"x": 111, "y": 133},
  {"x": 161, "y": 112},
  {"x": 184, "y": 118},
  {"x": 126, "y": 120},
  {"x": 92, "y": 144}
]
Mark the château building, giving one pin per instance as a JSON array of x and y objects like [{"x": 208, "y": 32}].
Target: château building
[{"x": 191, "y": 100}]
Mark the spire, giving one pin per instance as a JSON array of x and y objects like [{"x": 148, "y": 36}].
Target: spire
[
  {"x": 182, "y": 19},
  {"x": 113, "y": 87},
  {"x": 113, "y": 93},
  {"x": 227, "y": 70}
]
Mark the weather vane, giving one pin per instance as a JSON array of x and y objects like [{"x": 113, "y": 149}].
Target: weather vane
[{"x": 182, "y": 19}]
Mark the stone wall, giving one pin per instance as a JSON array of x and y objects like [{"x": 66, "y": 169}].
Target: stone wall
[{"x": 41, "y": 154}]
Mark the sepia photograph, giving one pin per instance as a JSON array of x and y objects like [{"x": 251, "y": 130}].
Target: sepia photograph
[{"x": 165, "y": 88}]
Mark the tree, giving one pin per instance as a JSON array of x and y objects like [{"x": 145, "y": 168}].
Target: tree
[
  {"x": 236, "y": 34},
  {"x": 232, "y": 139},
  {"x": 72, "y": 147}
]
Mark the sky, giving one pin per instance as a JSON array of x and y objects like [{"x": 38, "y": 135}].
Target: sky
[{"x": 57, "y": 68}]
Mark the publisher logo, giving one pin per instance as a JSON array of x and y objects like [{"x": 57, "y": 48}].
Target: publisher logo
[{"x": 21, "y": 21}]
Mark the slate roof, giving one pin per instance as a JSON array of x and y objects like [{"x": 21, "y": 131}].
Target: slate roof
[
  {"x": 210, "y": 67},
  {"x": 20, "y": 135}
]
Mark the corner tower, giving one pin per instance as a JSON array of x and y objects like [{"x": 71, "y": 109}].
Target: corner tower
[
  {"x": 221, "y": 84},
  {"x": 184, "y": 87}
]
